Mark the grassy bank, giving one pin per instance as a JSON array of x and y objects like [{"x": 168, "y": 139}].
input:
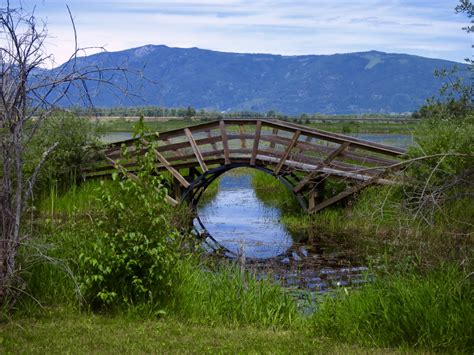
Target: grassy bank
[
  {"x": 404, "y": 309},
  {"x": 91, "y": 333}
]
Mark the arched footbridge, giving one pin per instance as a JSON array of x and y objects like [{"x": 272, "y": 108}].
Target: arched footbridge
[{"x": 300, "y": 157}]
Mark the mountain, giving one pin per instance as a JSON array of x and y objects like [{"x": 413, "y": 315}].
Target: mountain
[{"x": 365, "y": 82}]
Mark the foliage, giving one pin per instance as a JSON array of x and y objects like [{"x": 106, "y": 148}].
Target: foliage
[
  {"x": 434, "y": 311},
  {"x": 273, "y": 192},
  {"x": 134, "y": 257},
  {"x": 227, "y": 295},
  {"x": 77, "y": 139}
]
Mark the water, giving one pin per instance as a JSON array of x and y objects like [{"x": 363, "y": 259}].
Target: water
[
  {"x": 392, "y": 139},
  {"x": 112, "y": 137},
  {"x": 237, "y": 220}
]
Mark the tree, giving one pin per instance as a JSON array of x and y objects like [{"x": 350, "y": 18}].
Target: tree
[{"x": 28, "y": 95}]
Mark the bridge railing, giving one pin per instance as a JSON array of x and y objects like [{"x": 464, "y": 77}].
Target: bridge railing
[{"x": 282, "y": 145}]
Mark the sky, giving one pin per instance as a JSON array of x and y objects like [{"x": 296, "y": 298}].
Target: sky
[{"x": 428, "y": 28}]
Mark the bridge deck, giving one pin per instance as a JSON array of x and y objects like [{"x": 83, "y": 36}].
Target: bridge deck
[{"x": 302, "y": 155}]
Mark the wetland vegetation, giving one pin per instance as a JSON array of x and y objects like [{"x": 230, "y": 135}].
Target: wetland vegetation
[
  {"x": 421, "y": 297},
  {"x": 107, "y": 265}
]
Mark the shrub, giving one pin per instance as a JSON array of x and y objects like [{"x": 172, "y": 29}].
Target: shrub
[
  {"x": 133, "y": 259},
  {"x": 77, "y": 139}
]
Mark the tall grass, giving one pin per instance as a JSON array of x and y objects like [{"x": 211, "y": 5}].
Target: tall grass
[
  {"x": 433, "y": 311},
  {"x": 272, "y": 192},
  {"x": 227, "y": 295}
]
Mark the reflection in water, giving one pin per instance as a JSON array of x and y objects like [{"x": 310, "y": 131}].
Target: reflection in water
[{"x": 237, "y": 220}]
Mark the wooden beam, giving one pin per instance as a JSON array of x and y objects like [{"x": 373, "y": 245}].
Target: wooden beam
[
  {"x": 326, "y": 161},
  {"x": 197, "y": 152},
  {"x": 168, "y": 143},
  {"x": 168, "y": 198},
  {"x": 290, "y": 146},
  {"x": 225, "y": 142},
  {"x": 275, "y": 133},
  {"x": 242, "y": 132},
  {"x": 168, "y": 166},
  {"x": 213, "y": 144},
  {"x": 344, "y": 194},
  {"x": 172, "y": 170},
  {"x": 256, "y": 140}
]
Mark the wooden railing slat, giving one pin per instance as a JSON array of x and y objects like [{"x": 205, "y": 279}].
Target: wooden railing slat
[
  {"x": 225, "y": 142},
  {"x": 196, "y": 150},
  {"x": 256, "y": 141},
  {"x": 290, "y": 146}
]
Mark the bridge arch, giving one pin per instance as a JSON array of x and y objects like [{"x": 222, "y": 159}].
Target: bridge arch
[
  {"x": 193, "y": 193},
  {"x": 298, "y": 156}
]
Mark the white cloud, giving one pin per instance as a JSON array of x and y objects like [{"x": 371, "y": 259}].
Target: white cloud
[{"x": 428, "y": 28}]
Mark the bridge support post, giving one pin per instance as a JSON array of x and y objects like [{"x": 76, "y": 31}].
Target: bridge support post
[{"x": 316, "y": 193}]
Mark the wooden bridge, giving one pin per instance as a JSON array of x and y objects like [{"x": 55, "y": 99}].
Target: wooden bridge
[{"x": 300, "y": 157}]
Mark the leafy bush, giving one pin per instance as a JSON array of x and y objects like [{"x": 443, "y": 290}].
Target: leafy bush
[
  {"x": 133, "y": 259},
  {"x": 77, "y": 138}
]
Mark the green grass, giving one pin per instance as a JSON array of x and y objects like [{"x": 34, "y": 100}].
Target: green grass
[
  {"x": 88, "y": 333},
  {"x": 273, "y": 192},
  {"x": 225, "y": 295},
  {"x": 218, "y": 308},
  {"x": 433, "y": 311}
]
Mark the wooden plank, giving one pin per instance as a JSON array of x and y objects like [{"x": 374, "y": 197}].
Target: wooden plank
[
  {"x": 168, "y": 166},
  {"x": 168, "y": 198},
  {"x": 172, "y": 170},
  {"x": 274, "y": 133},
  {"x": 326, "y": 161},
  {"x": 225, "y": 142},
  {"x": 336, "y": 138},
  {"x": 213, "y": 144},
  {"x": 242, "y": 139},
  {"x": 296, "y": 135},
  {"x": 168, "y": 143},
  {"x": 196, "y": 150},
  {"x": 256, "y": 141},
  {"x": 344, "y": 194}
]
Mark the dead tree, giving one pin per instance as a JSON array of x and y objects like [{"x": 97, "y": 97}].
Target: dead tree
[{"x": 28, "y": 94}]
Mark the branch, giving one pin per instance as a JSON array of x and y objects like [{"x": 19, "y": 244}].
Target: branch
[{"x": 32, "y": 180}]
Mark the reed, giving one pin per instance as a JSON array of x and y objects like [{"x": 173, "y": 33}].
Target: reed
[{"x": 433, "y": 311}]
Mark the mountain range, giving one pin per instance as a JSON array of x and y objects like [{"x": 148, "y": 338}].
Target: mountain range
[{"x": 353, "y": 83}]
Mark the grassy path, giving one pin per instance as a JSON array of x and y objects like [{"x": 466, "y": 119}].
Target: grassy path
[{"x": 82, "y": 333}]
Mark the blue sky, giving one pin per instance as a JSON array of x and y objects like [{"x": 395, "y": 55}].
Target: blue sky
[{"x": 427, "y": 28}]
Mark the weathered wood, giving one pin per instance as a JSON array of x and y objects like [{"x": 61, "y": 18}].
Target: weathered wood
[
  {"x": 327, "y": 171},
  {"x": 172, "y": 170},
  {"x": 307, "y": 151},
  {"x": 256, "y": 141},
  {"x": 196, "y": 150},
  {"x": 243, "y": 143},
  {"x": 117, "y": 166},
  {"x": 225, "y": 142},
  {"x": 213, "y": 144},
  {"x": 344, "y": 194},
  {"x": 337, "y": 138},
  {"x": 326, "y": 161},
  {"x": 290, "y": 146},
  {"x": 274, "y": 133}
]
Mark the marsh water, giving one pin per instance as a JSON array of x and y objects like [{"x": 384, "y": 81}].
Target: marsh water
[{"x": 244, "y": 225}]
